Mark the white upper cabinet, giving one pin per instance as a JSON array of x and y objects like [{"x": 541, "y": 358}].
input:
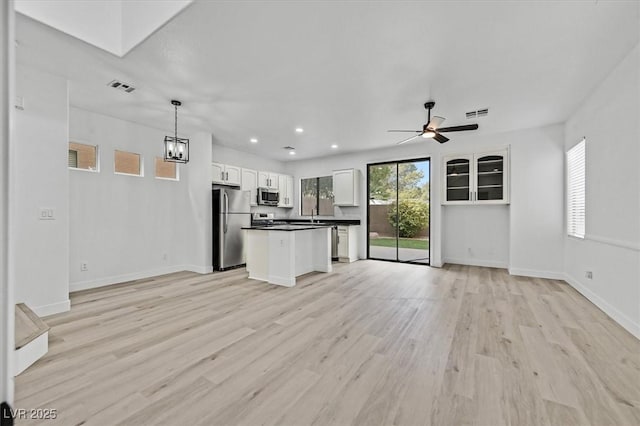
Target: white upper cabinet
[
  {"x": 249, "y": 182},
  {"x": 285, "y": 188},
  {"x": 346, "y": 187},
  {"x": 268, "y": 180},
  {"x": 234, "y": 175},
  {"x": 479, "y": 178},
  {"x": 217, "y": 173},
  {"x": 224, "y": 174}
]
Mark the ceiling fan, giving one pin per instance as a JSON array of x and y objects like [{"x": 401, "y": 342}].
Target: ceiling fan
[{"x": 432, "y": 129}]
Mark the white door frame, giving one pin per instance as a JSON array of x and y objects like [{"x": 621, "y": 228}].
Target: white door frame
[{"x": 7, "y": 304}]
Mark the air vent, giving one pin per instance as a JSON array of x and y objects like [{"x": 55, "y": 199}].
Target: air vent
[
  {"x": 479, "y": 113},
  {"x": 288, "y": 148},
  {"x": 116, "y": 84}
]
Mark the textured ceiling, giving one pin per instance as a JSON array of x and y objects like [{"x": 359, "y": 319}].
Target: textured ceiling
[{"x": 347, "y": 71}]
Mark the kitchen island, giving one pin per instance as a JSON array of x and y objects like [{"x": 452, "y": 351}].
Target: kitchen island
[{"x": 280, "y": 253}]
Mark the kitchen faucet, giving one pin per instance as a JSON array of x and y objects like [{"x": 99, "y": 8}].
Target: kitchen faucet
[{"x": 312, "y": 215}]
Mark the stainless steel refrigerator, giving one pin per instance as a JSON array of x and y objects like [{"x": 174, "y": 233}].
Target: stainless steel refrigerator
[{"x": 231, "y": 212}]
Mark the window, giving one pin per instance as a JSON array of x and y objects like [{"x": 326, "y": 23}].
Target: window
[
  {"x": 166, "y": 169},
  {"x": 576, "y": 190},
  {"x": 128, "y": 163},
  {"x": 82, "y": 156},
  {"x": 317, "y": 196}
]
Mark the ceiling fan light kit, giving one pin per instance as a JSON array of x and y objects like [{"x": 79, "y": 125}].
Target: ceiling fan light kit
[{"x": 432, "y": 129}]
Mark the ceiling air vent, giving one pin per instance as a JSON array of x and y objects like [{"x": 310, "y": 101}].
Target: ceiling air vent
[
  {"x": 479, "y": 113},
  {"x": 116, "y": 84},
  {"x": 288, "y": 148}
]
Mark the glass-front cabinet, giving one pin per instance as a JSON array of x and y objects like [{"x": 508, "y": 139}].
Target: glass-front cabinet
[
  {"x": 479, "y": 178},
  {"x": 458, "y": 178}
]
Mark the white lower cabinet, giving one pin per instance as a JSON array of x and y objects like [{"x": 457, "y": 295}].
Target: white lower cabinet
[{"x": 348, "y": 243}]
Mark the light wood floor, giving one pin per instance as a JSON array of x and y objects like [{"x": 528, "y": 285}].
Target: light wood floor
[{"x": 371, "y": 343}]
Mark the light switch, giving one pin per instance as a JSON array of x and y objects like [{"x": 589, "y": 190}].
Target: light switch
[{"x": 47, "y": 214}]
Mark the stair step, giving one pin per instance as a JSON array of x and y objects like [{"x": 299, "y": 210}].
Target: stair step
[{"x": 29, "y": 326}]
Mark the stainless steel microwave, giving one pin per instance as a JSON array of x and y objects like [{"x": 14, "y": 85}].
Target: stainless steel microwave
[{"x": 268, "y": 197}]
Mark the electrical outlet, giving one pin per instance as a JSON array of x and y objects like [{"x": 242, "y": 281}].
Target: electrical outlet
[
  {"x": 589, "y": 275},
  {"x": 164, "y": 256},
  {"x": 84, "y": 266}
]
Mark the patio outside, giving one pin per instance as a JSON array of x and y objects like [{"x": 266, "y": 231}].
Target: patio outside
[{"x": 399, "y": 211}]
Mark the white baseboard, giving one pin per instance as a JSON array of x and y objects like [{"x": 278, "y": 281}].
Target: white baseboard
[
  {"x": 537, "y": 274},
  {"x": 626, "y": 322},
  {"x": 51, "y": 309},
  {"x": 116, "y": 279},
  {"x": 476, "y": 262},
  {"x": 30, "y": 353},
  {"x": 198, "y": 269}
]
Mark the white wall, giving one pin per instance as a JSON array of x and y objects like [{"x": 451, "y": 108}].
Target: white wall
[
  {"x": 140, "y": 19},
  {"x": 128, "y": 227},
  {"x": 476, "y": 235},
  {"x": 490, "y": 239},
  {"x": 226, "y": 155},
  {"x": 198, "y": 205},
  {"x": 41, "y": 247},
  {"x": 98, "y": 22},
  {"x": 609, "y": 119},
  {"x": 7, "y": 302},
  {"x": 537, "y": 194}
]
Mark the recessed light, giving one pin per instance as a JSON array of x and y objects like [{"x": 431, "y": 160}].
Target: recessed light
[
  {"x": 292, "y": 153},
  {"x": 299, "y": 130},
  {"x": 253, "y": 140},
  {"x": 334, "y": 146}
]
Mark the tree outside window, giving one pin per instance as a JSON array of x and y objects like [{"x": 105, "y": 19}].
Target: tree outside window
[{"x": 317, "y": 196}]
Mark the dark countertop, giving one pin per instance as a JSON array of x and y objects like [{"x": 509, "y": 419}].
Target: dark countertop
[
  {"x": 323, "y": 221},
  {"x": 287, "y": 228}
]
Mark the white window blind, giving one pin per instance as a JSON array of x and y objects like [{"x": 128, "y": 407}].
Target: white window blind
[
  {"x": 576, "y": 190},
  {"x": 73, "y": 158}
]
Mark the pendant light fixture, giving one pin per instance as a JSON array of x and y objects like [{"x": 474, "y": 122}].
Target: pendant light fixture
[{"x": 176, "y": 149}]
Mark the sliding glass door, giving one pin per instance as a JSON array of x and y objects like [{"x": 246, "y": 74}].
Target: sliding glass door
[{"x": 398, "y": 211}]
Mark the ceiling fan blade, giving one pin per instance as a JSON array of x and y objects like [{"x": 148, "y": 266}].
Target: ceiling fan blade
[
  {"x": 440, "y": 138},
  {"x": 435, "y": 122},
  {"x": 408, "y": 139},
  {"x": 459, "y": 128},
  {"x": 413, "y": 131}
]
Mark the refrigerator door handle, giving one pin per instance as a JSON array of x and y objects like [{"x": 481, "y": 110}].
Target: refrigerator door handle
[{"x": 226, "y": 211}]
